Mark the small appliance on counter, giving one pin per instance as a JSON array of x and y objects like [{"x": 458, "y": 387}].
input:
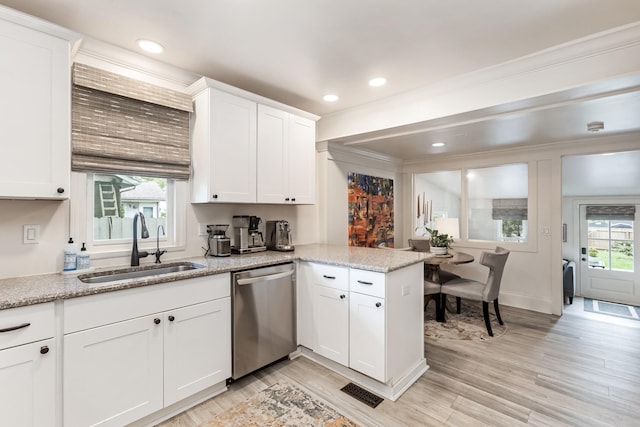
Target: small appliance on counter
[
  {"x": 246, "y": 236},
  {"x": 219, "y": 243},
  {"x": 279, "y": 236}
]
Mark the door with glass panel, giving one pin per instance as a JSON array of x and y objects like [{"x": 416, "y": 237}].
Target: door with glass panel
[{"x": 608, "y": 248}]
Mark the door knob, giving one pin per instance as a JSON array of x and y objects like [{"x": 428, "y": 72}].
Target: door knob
[{"x": 156, "y": 321}]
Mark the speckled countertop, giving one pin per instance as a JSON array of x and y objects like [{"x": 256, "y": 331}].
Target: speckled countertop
[{"x": 20, "y": 291}]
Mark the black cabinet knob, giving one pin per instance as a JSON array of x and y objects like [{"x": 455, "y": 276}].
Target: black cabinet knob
[
  {"x": 286, "y": 199},
  {"x": 172, "y": 318},
  {"x": 293, "y": 199},
  {"x": 343, "y": 296},
  {"x": 60, "y": 190},
  {"x": 156, "y": 321},
  {"x": 214, "y": 196},
  {"x": 378, "y": 304},
  {"x": 44, "y": 349}
]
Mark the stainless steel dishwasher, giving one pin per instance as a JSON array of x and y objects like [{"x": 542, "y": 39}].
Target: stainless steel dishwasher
[{"x": 264, "y": 317}]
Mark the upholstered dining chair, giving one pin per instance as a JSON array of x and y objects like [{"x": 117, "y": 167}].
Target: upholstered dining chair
[{"x": 478, "y": 291}]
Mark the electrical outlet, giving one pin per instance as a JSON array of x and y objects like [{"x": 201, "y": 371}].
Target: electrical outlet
[{"x": 202, "y": 230}]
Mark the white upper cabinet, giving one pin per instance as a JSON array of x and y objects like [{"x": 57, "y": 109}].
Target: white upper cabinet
[
  {"x": 35, "y": 107},
  {"x": 286, "y": 157},
  {"x": 249, "y": 149},
  {"x": 224, "y": 148}
]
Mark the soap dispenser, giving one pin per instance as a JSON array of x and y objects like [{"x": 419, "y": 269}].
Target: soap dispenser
[
  {"x": 70, "y": 256},
  {"x": 83, "y": 258}
]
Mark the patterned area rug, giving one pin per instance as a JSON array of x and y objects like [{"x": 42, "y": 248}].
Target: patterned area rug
[
  {"x": 612, "y": 309},
  {"x": 280, "y": 405},
  {"x": 468, "y": 325}
]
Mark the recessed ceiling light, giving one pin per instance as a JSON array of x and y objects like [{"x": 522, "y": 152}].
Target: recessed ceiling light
[
  {"x": 331, "y": 98},
  {"x": 150, "y": 46},
  {"x": 438, "y": 144},
  {"x": 378, "y": 81}
]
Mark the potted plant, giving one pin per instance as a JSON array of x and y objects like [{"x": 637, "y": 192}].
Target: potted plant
[{"x": 439, "y": 242}]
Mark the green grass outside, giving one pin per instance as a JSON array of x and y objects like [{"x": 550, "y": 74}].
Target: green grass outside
[{"x": 619, "y": 261}]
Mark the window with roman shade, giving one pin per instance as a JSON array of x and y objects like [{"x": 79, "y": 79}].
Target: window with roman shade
[
  {"x": 509, "y": 209},
  {"x": 612, "y": 212},
  {"x": 125, "y": 126}
]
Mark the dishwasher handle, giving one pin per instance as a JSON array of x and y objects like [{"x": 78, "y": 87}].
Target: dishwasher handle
[{"x": 252, "y": 280}]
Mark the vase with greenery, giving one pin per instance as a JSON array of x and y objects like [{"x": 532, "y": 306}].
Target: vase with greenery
[{"x": 439, "y": 242}]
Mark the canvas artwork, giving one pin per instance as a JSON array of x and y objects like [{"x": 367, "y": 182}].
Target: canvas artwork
[{"x": 370, "y": 211}]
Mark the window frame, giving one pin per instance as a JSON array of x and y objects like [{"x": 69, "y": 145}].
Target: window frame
[
  {"x": 531, "y": 245},
  {"x": 81, "y": 220}
]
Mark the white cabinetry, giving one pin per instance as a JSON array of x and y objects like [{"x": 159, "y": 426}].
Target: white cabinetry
[
  {"x": 330, "y": 331},
  {"x": 224, "y": 148},
  {"x": 286, "y": 157},
  {"x": 28, "y": 366},
  {"x": 35, "y": 108},
  {"x": 368, "y": 321},
  {"x": 133, "y": 352}
]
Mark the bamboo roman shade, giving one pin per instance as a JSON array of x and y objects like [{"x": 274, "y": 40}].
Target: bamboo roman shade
[
  {"x": 612, "y": 212},
  {"x": 126, "y": 126},
  {"x": 509, "y": 209}
]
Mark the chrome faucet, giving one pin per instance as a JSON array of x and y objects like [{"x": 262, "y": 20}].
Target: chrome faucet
[
  {"x": 144, "y": 234},
  {"x": 158, "y": 253}
]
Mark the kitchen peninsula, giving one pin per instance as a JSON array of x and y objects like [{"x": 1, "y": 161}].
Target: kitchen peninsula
[{"x": 369, "y": 299}]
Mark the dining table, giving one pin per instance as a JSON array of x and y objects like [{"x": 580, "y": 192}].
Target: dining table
[{"x": 432, "y": 264}]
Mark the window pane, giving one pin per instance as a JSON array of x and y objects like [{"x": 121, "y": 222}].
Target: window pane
[
  {"x": 498, "y": 203},
  {"x": 610, "y": 244},
  {"x": 439, "y": 198},
  {"x": 117, "y": 198}
]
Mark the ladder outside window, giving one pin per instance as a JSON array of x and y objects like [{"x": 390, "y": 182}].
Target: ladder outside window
[{"x": 108, "y": 200}]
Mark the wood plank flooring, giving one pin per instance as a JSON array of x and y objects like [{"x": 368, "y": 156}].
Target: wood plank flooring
[{"x": 582, "y": 369}]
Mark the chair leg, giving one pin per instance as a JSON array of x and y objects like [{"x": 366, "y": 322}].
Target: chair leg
[
  {"x": 443, "y": 307},
  {"x": 485, "y": 311},
  {"x": 439, "y": 316},
  {"x": 495, "y": 306},
  {"x": 458, "y": 305}
]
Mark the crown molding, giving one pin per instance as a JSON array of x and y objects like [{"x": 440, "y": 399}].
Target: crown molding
[
  {"x": 38, "y": 24},
  {"x": 588, "y": 60},
  {"x": 359, "y": 156},
  {"x": 99, "y": 54}
]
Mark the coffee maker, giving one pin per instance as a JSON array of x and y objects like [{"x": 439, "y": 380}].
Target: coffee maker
[
  {"x": 219, "y": 243},
  {"x": 244, "y": 242},
  {"x": 279, "y": 236}
]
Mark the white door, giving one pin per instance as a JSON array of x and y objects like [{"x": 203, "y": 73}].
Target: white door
[
  {"x": 113, "y": 373},
  {"x": 367, "y": 335},
  {"x": 302, "y": 160},
  {"x": 233, "y": 148},
  {"x": 273, "y": 155},
  {"x": 30, "y": 370},
  {"x": 331, "y": 323},
  {"x": 609, "y": 267},
  {"x": 197, "y": 341}
]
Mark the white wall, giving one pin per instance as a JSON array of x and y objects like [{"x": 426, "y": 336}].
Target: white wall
[{"x": 334, "y": 165}]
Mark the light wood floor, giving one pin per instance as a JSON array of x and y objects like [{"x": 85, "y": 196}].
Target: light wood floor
[{"x": 545, "y": 371}]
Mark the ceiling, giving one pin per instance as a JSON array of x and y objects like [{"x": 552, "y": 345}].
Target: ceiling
[{"x": 297, "y": 51}]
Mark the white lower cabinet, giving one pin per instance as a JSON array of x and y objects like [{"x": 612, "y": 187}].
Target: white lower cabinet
[
  {"x": 195, "y": 352},
  {"x": 128, "y": 354},
  {"x": 367, "y": 338},
  {"x": 113, "y": 373},
  {"x": 331, "y": 323},
  {"x": 31, "y": 371},
  {"x": 28, "y": 366}
]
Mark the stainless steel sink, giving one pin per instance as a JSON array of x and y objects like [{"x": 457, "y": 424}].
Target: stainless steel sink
[{"x": 138, "y": 272}]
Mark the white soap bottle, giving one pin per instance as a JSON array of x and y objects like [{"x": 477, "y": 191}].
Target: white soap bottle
[
  {"x": 83, "y": 259},
  {"x": 70, "y": 256}
]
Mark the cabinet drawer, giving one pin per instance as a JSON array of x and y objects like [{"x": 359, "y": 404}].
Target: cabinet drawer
[
  {"x": 27, "y": 324},
  {"x": 330, "y": 276},
  {"x": 367, "y": 282}
]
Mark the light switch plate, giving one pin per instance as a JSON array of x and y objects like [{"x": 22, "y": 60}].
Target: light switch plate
[{"x": 31, "y": 234}]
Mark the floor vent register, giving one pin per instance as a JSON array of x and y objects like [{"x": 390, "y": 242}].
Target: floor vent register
[{"x": 362, "y": 395}]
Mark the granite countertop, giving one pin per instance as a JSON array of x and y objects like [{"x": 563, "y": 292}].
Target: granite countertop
[{"x": 21, "y": 291}]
